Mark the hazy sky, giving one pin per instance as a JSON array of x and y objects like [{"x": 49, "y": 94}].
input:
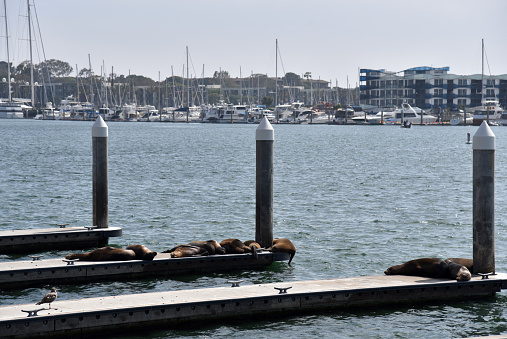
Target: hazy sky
[{"x": 332, "y": 39}]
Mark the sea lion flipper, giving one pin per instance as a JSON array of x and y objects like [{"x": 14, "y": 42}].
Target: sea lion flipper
[{"x": 254, "y": 251}]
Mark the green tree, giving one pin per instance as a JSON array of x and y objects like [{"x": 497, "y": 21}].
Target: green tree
[
  {"x": 56, "y": 68},
  {"x": 267, "y": 101},
  {"x": 139, "y": 80},
  {"x": 224, "y": 74},
  {"x": 292, "y": 79}
]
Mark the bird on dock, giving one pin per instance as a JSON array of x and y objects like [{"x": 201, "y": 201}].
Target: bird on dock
[{"x": 48, "y": 298}]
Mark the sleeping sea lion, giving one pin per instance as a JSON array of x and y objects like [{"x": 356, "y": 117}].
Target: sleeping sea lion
[
  {"x": 181, "y": 251},
  {"x": 249, "y": 243},
  {"x": 254, "y": 246},
  {"x": 468, "y": 263},
  {"x": 107, "y": 253},
  {"x": 423, "y": 267},
  {"x": 457, "y": 271},
  {"x": 212, "y": 246},
  {"x": 142, "y": 252},
  {"x": 283, "y": 245},
  {"x": 235, "y": 246},
  {"x": 431, "y": 268}
]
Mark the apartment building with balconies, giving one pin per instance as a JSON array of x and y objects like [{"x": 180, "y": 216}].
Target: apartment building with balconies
[{"x": 429, "y": 87}]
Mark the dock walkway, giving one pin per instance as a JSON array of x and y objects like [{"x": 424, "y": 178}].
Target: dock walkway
[
  {"x": 19, "y": 274},
  {"x": 163, "y": 309},
  {"x": 62, "y": 238}
]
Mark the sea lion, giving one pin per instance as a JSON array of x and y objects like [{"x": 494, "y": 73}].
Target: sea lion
[
  {"x": 249, "y": 243},
  {"x": 212, "y": 246},
  {"x": 457, "y": 271},
  {"x": 423, "y": 267},
  {"x": 142, "y": 252},
  {"x": 181, "y": 251},
  {"x": 107, "y": 253},
  {"x": 283, "y": 245},
  {"x": 235, "y": 246},
  {"x": 468, "y": 263},
  {"x": 433, "y": 268},
  {"x": 254, "y": 246}
]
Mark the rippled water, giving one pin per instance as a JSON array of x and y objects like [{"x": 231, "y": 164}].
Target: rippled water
[{"x": 354, "y": 200}]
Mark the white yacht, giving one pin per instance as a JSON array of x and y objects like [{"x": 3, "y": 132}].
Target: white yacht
[
  {"x": 154, "y": 116},
  {"x": 458, "y": 119},
  {"x": 47, "y": 113},
  {"x": 256, "y": 114},
  {"x": 75, "y": 110},
  {"x": 288, "y": 113},
  {"x": 231, "y": 113},
  {"x": 490, "y": 110},
  {"x": 413, "y": 115},
  {"x": 11, "y": 110}
]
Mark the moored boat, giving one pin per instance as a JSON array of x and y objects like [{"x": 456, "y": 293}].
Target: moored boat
[
  {"x": 489, "y": 111},
  {"x": 462, "y": 118},
  {"x": 11, "y": 110},
  {"x": 412, "y": 115}
]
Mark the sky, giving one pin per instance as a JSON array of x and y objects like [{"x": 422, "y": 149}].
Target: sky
[{"x": 332, "y": 39}]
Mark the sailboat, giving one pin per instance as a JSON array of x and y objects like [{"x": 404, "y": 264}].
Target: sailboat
[
  {"x": 490, "y": 109},
  {"x": 8, "y": 108}
]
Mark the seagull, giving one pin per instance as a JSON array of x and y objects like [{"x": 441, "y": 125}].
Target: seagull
[{"x": 48, "y": 298}]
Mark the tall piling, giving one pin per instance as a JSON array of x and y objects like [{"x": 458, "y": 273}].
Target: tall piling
[
  {"x": 484, "y": 200},
  {"x": 100, "y": 174},
  {"x": 264, "y": 136}
]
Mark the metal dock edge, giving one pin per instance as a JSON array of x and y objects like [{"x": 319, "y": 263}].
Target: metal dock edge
[
  {"x": 31, "y": 240},
  {"x": 19, "y": 274},
  {"x": 79, "y": 318}
]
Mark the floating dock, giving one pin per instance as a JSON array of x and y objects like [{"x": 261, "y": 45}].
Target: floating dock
[
  {"x": 80, "y": 318},
  {"x": 19, "y": 274},
  {"x": 61, "y": 238}
]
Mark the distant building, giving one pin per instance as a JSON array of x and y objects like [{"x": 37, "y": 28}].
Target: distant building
[{"x": 428, "y": 87}]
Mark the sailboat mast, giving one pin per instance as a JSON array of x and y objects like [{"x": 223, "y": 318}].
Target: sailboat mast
[
  {"x": 92, "y": 99},
  {"x": 31, "y": 58},
  {"x": 482, "y": 85},
  {"x": 7, "y": 45},
  {"x": 276, "y": 74},
  {"x": 188, "y": 86},
  {"x": 77, "y": 83}
]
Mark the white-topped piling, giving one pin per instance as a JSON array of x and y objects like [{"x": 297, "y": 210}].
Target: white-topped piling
[
  {"x": 100, "y": 174},
  {"x": 484, "y": 200},
  {"x": 264, "y": 136}
]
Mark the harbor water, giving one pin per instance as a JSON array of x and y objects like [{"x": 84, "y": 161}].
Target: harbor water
[{"x": 353, "y": 199}]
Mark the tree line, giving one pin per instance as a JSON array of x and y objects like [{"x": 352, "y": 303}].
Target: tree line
[{"x": 54, "y": 76}]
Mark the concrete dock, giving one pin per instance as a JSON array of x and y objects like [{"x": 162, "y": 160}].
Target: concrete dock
[
  {"x": 61, "y": 238},
  {"x": 79, "y": 318},
  {"x": 19, "y": 274}
]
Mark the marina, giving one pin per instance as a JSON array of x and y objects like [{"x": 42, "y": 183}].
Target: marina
[
  {"x": 372, "y": 210},
  {"x": 348, "y": 221}
]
